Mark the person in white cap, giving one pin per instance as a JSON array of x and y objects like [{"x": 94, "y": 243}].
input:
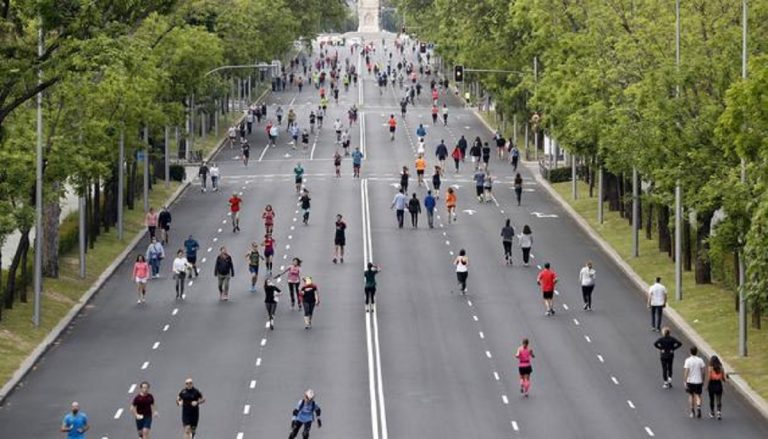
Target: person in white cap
[
  {"x": 75, "y": 423},
  {"x": 307, "y": 411},
  {"x": 310, "y": 298}
]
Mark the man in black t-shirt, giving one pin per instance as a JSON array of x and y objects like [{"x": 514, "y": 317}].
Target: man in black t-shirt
[
  {"x": 190, "y": 399},
  {"x": 164, "y": 222}
]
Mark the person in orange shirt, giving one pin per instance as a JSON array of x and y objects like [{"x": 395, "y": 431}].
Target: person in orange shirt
[
  {"x": 421, "y": 165},
  {"x": 392, "y": 126},
  {"x": 450, "y": 203}
]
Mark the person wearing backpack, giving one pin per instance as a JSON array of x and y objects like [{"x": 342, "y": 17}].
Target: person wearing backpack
[{"x": 306, "y": 412}]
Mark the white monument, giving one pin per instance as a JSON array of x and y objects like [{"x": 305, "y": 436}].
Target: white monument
[{"x": 369, "y": 16}]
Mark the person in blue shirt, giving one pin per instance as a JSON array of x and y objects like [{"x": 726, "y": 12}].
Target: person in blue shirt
[
  {"x": 421, "y": 131},
  {"x": 75, "y": 423},
  {"x": 429, "y": 206},
  {"x": 398, "y": 203},
  {"x": 191, "y": 246},
  {"x": 307, "y": 411},
  {"x": 357, "y": 160}
]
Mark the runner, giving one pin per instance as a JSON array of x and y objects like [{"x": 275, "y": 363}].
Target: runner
[
  {"x": 445, "y": 115},
  {"x": 488, "y": 187},
  {"x": 587, "y": 280},
  {"x": 345, "y": 142},
  {"x": 462, "y": 270},
  {"x": 429, "y": 206},
  {"x": 224, "y": 270},
  {"x": 269, "y": 251},
  {"x": 215, "y": 173},
  {"x": 715, "y": 387},
  {"x": 269, "y": 219},
  {"x": 337, "y": 163},
  {"x": 441, "y": 151},
  {"x": 306, "y": 412},
  {"x": 404, "y": 179},
  {"x": 305, "y": 204},
  {"x": 340, "y": 239},
  {"x": 392, "y": 127},
  {"x": 234, "y": 209},
  {"x": 421, "y": 132},
  {"x": 190, "y": 399},
  {"x": 479, "y": 178},
  {"x": 476, "y": 151},
  {"x": 436, "y": 180},
  {"x": 693, "y": 371},
  {"x": 657, "y": 300},
  {"x": 141, "y": 276},
  {"x": 232, "y": 136},
  {"x": 150, "y": 220},
  {"x": 525, "y": 240},
  {"x": 294, "y": 278},
  {"x": 305, "y": 140},
  {"x": 462, "y": 144},
  {"x": 312, "y": 119},
  {"x": 421, "y": 166},
  {"x": 357, "y": 160},
  {"x": 254, "y": 258},
  {"x": 337, "y": 128},
  {"x": 191, "y": 247},
  {"x": 421, "y": 148},
  {"x": 180, "y": 268},
  {"x": 310, "y": 298},
  {"x": 202, "y": 172},
  {"x": 143, "y": 409},
  {"x": 486, "y": 153},
  {"x": 279, "y": 114},
  {"x": 457, "y": 157},
  {"x": 298, "y": 171},
  {"x": 514, "y": 156},
  {"x": 507, "y": 235},
  {"x": 398, "y": 203},
  {"x": 414, "y": 208},
  {"x": 547, "y": 279},
  {"x": 75, "y": 423},
  {"x": 155, "y": 254},
  {"x": 524, "y": 355},
  {"x": 164, "y": 222},
  {"x": 435, "y": 113},
  {"x": 518, "y": 187},
  {"x": 667, "y": 345},
  {"x": 370, "y": 286},
  {"x": 271, "y": 292},
  {"x": 246, "y": 150},
  {"x": 320, "y": 117},
  {"x": 450, "y": 204}
]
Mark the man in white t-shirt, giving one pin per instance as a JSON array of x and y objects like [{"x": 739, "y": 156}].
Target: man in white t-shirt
[
  {"x": 587, "y": 280},
  {"x": 657, "y": 300},
  {"x": 694, "y": 370}
]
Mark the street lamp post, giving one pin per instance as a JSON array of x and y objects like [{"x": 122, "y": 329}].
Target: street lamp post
[
  {"x": 743, "y": 349},
  {"x": 38, "y": 282},
  {"x": 678, "y": 189}
]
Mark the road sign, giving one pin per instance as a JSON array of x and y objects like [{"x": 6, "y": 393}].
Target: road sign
[{"x": 139, "y": 155}]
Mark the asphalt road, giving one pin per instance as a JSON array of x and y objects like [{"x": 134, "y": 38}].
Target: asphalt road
[{"x": 429, "y": 363}]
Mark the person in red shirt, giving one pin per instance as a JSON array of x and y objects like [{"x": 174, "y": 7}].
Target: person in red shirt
[
  {"x": 547, "y": 279},
  {"x": 234, "y": 208}
]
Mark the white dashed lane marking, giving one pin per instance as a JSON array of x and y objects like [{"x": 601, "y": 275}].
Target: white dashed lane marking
[
  {"x": 505, "y": 399},
  {"x": 496, "y": 376},
  {"x": 481, "y": 334},
  {"x": 514, "y": 426},
  {"x": 589, "y": 340},
  {"x": 630, "y": 404},
  {"x": 145, "y": 365},
  {"x": 175, "y": 311},
  {"x": 156, "y": 345},
  {"x": 258, "y": 362},
  {"x": 239, "y": 435},
  {"x": 132, "y": 388},
  {"x": 615, "y": 380},
  {"x": 247, "y": 409},
  {"x": 252, "y": 384},
  {"x": 475, "y": 317},
  {"x": 649, "y": 431},
  {"x": 565, "y": 307},
  {"x": 263, "y": 341},
  {"x": 165, "y": 328},
  {"x": 488, "y": 354},
  {"x": 600, "y": 357},
  {"x": 576, "y": 322},
  {"x": 118, "y": 413}
]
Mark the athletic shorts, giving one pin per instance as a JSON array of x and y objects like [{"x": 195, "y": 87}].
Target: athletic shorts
[
  {"x": 145, "y": 422},
  {"x": 525, "y": 370},
  {"x": 479, "y": 190},
  {"x": 420, "y": 172},
  {"x": 166, "y": 227},
  {"x": 340, "y": 241},
  {"x": 192, "y": 259},
  {"x": 268, "y": 252},
  {"x": 253, "y": 269},
  {"x": 693, "y": 389},
  {"x": 141, "y": 280},
  {"x": 190, "y": 418},
  {"x": 548, "y": 295},
  {"x": 391, "y": 129}
]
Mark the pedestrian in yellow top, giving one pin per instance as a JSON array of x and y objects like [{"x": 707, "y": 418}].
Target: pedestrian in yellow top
[{"x": 421, "y": 166}]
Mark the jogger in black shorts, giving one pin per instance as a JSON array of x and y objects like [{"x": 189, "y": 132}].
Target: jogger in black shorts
[{"x": 370, "y": 286}]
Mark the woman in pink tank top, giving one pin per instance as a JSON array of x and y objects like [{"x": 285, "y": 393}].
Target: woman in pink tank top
[{"x": 524, "y": 355}]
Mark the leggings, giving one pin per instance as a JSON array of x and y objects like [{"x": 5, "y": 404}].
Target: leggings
[
  {"x": 293, "y": 289},
  {"x": 415, "y": 219},
  {"x": 370, "y": 293},
  {"x": 715, "y": 390},
  {"x": 461, "y": 276},
  {"x": 526, "y": 254},
  {"x": 666, "y": 367},
  {"x": 271, "y": 308},
  {"x": 456, "y": 163},
  {"x": 586, "y": 294},
  {"x": 296, "y": 426},
  {"x": 507, "y": 249},
  {"x": 180, "y": 283}
]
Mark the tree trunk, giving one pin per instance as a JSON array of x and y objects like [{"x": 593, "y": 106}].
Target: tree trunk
[
  {"x": 24, "y": 276},
  {"x": 622, "y": 193},
  {"x": 703, "y": 273},
  {"x": 90, "y": 236},
  {"x": 665, "y": 237},
  {"x": 686, "y": 243},
  {"x": 756, "y": 321},
  {"x": 649, "y": 220},
  {"x": 612, "y": 191},
  {"x": 10, "y": 287},
  {"x": 130, "y": 193},
  {"x": 736, "y": 257},
  {"x": 51, "y": 218},
  {"x": 96, "y": 224}
]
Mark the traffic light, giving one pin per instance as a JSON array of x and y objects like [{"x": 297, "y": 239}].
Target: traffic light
[{"x": 458, "y": 73}]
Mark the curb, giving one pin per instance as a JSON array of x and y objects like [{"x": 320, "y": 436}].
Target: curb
[
  {"x": 741, "y": 386},
  {"x": 65, "y": 321}
]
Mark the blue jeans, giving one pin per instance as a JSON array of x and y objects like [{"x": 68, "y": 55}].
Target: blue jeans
[
  {"x": 154, "y": 263},
  {"x": 656, "y": 316}
]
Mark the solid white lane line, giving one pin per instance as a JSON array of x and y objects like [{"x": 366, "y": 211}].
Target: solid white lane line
[
  {"x": 649, "y": 431},
  {"x": 615, "y": 380},
  {"x": 565, "y": 307},
  {"x": 600, "y": 357},
  {"x": 629, "y": 403},
  {"x": 118, "y": 413},
  {"x": 505, "y": 399},
  {"x": 371, "y": 376},
  {"x": 132, "y": 388},
  {"x": 246, "y": 409},
  {"x": 264, "y": 151},
  {"x": 488, "y": 354},
  {"x": 515, "y": 426},
  {"x": 475, "y": 318},
  {"x": 481, "y": 334},
  {"x": 145, "y": 365},
  {"x": 589, "y": 340},
  {"x": 175, "y": 311},
  {"x": 380, "y": 389},
  {"x": 496, "y": 376},
  {"x": 263, "y": 341},
  {"x": 258, "y": 362},
  {"x": 165, "y": 328},
  {"x": 156, "y": 345},
  {"x": 252, "y": 384}
]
